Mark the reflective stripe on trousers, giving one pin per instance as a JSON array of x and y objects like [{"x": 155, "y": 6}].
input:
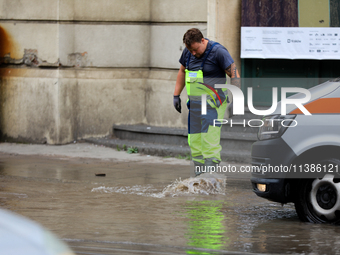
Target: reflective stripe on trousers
[{"x": 203, "y": 137}]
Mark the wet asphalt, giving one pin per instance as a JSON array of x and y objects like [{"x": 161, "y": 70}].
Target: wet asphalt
[{"x": 109, "y": 207}]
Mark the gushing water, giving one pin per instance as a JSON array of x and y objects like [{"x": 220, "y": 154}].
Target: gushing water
[
  {"x": 203, "y": 184},
  {"x": 206, "y": 184},
  {"x": 137, "y": 190}
]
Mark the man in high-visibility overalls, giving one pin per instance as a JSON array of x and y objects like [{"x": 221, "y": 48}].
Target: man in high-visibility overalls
[{"x": 204, "y": 63}]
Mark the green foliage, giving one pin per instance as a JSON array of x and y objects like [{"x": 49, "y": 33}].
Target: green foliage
[
  {"x": 131, "y": 150},
  {"x": 186, "y": 157}
]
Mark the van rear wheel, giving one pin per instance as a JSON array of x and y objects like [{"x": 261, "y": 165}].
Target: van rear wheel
[{"x": 319, "y": 199}]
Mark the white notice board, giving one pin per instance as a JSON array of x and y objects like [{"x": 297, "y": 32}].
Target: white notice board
[{"x": 290, "y": 42}]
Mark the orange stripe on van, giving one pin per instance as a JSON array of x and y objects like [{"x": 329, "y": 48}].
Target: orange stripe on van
[{"x": 321, "y": 105}]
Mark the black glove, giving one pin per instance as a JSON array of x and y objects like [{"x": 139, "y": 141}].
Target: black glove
[
  {"x": 177, "y": 103},
  {"x": 230, "y": 110}
]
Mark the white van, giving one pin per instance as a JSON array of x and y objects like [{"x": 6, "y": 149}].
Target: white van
[{"x": 299, "y": 161}]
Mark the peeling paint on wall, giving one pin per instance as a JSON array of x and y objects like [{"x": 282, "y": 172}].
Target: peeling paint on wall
[
  {"x": 10, "y": 55},
  {"x": 30, "y": 58},
  {"x": 77, "y": 59}
]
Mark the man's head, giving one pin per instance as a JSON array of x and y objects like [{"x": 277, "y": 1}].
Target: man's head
[{"x": 195, "y": 42}]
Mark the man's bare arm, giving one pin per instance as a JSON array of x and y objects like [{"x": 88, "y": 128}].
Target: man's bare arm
[
  {"x": 232, "y": 72},
  {"x": 180, "y": 81}
]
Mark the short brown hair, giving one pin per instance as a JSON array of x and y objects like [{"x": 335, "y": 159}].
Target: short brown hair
[{"x": 192, "y": 35}]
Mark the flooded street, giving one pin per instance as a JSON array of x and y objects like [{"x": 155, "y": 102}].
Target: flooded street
[{"x": 124, "y": 212}]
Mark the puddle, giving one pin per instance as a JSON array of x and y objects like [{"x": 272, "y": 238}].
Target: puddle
[
  {"x": 210, "y": 215},
  {"x": 8, "y": 194},
  {"x": 204, "y": 184}
]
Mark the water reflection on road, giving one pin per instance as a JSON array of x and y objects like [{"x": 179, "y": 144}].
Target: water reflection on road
[
  {"x": 118, "y": 214},
  {"x": 206, "y": 226}
]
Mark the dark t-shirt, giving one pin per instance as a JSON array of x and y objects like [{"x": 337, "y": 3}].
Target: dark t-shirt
[{"x": 214, "y": 67}]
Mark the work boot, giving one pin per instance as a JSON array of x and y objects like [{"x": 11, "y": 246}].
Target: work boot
[
  {"x": 211, "y": 166},
  {"x": 198, "y": 167}
]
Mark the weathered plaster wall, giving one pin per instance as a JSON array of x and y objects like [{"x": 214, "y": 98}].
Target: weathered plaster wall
[
  {"x": 224, "y": 25},
  {"x": 114, "y": 45},
  {"x": 73, "y": 68},
  {"x": 29, "y": 99}
]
